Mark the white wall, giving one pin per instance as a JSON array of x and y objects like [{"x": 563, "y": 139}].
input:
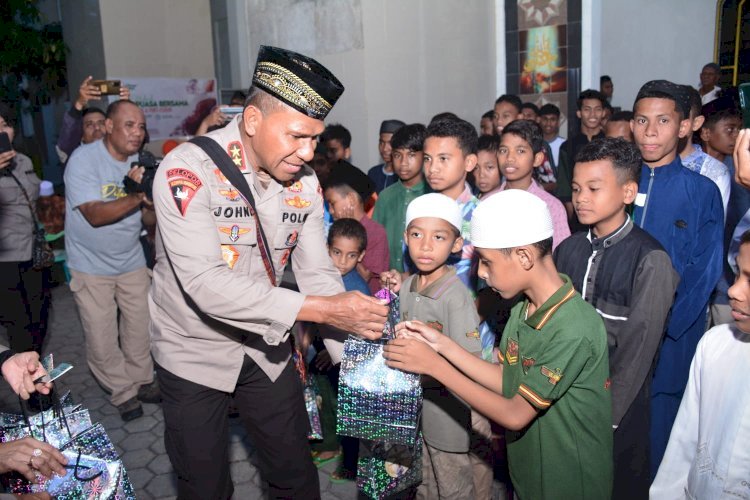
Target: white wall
[
  {"x": 411, "y": 59},
  {"x": 644, "y": 40},
  {"x": 164, "y": 38}
]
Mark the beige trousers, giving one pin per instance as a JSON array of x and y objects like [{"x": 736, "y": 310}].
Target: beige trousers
[
  {"x": 482, "y": 456},
  {"x": 119, "y": 355},
  {"x": 445, "y": 475}
]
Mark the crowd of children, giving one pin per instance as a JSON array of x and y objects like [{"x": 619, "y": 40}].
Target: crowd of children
[{"x": 583, "y": 361}]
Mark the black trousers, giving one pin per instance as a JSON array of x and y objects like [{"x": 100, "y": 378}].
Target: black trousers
[
  {"x": 24, "y": 305},
  {"x": 197, "y": 433}
]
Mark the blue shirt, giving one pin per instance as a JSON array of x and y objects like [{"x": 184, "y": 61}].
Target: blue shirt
[
  {"x": 380, "y": 178},
  {"x": 353, "y": 281},
  {"x": 684, "y": 212}
]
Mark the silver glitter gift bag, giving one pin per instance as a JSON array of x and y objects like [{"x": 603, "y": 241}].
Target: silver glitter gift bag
[{"x": 377, "y": 402}]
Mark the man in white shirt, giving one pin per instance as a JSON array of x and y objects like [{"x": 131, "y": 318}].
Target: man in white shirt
[{"x": 709, "y": 78}]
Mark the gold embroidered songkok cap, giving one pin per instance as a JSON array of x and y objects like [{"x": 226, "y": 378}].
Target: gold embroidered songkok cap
[{"x": 297, "y": 80}]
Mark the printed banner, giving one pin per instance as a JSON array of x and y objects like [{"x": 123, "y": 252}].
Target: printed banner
[{"x": 174, "y": 107}]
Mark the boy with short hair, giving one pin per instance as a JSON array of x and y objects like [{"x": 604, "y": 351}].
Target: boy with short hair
[
  {"x": 530, "y": 111},
  {"x": 382, "y": 175},
  {"x": 390, "y": 210},
  {"x": 520, "y": 152},
  {"x": 707, "y": 452},
  {"x": 549, "y": 119},
  {"x": 627, "y": 276},
  {"x": 507, "y": 108},
  {"x": 337, "y": 140},
  {"x": 347, "y": 246},
  {"x": 435, "y": 296},
  {"x": 619, "y": 126},
  {"x": 719, "y": 132},
  {"x": 345, "y": 191},
  {"x": 551, "y": 390},
  {"x": 487, "y": 172},
  {"x": 590, "y": 110},
  {"x": 683, "y": 211},
  {"x": 486, "y": 126},
  {"x": 695, "y": 159}
]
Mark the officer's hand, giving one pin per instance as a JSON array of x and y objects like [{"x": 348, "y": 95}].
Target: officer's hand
[{"x": 356, "y": 313}]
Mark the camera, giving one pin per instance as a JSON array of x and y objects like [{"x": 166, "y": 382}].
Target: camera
[{"x": 149, "y": 162}]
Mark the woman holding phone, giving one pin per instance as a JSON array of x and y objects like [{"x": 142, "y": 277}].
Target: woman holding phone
[{"x": 24, "y": 301}]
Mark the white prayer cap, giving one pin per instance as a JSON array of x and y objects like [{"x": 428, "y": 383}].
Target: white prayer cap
[
  {"x": 46, "y": 188},
  {"x": 435, "y": 205},
  {"x": 509, "y": 219}
]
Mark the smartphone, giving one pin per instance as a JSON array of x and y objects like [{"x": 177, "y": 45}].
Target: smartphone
[
  {"x": 5, "y": 142},
  {"x": 744, "y": 90},
  {"x": 55, "y": 373},
  {"x": 107, "y": 87}
]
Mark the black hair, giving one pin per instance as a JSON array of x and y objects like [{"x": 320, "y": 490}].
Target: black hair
[
  {"x": 621, "y": 116},
  {"x": 608, "y": 106},
  {"x": 238, "y": 95},
  {"x": 590, "y": 94},
  {"x": 529, "y": 131},
  {"x": 713, "y": 66},
  {"x": 6, "y": 113},
  {"x": 488, "y": 143},
  {"x": 694, "y": 97},
  {"x": 489, "y": 115},
  {"x": 604, "y": 79},
  {"x": 346, "y": 178},
  {"x": 336, "y": 131},
  {"x": 409, "y": 137},
  {"x": 445, "y": 115},
  {"x": 544, "y": 248},
  {"x": 461, "y": 130},
  {"x": 530, "y": 105},
  {"x": 549, "y": 109},
  {"x": 90, "y": 110},
  {"x": 658, "y": 94},
  {"x": 348, "y": 228},
  {"x": 745, "y": 238},
  {"x": 624, "y": 156},
  {"x": 713, "y": 118},
  {"x": 514, "y": 100}
]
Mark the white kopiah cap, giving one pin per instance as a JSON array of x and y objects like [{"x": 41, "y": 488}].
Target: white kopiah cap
[
  {"x": 46, "y": 188},
  {"x": 509, "y": 219},
  {"x": 435, "y": 205}
]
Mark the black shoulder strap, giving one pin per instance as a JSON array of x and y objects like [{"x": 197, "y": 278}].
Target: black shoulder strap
[{"x": 222, "y": 160}]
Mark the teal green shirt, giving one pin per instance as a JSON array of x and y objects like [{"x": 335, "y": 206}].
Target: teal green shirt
[
  {"x": 557, "y": 360},
  {"x": 390, "y": 212}
]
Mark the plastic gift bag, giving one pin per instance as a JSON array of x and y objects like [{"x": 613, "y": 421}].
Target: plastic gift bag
[
  {"x": 313, "y": 413},
  {"x": 390, "y": 469},
  {"x": 377, "y": 402}
]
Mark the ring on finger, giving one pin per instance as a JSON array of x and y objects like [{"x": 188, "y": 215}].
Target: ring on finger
[{"x": 37, "y": 452}]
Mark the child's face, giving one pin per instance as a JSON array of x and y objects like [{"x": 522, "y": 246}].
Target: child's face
[
  {"x": 486, "y": 127},
  {"x": 739, "y": 293},
  {"x": 598, "y": 196},
  {"x": 431, "y": 241},
  {"x": 487, "y": 173},
  {"x": 335, "y": 150},
  {"x": 528, "y": 114},
  {"x": 591, "y": 113},
  {"x": 345, "y": 253},
  {"x": 503, "y": 273},
  {"x": 722, "y": 136},
  {"x": 550, "y": 124},
  {"x": 619, "y": 129},
  {"x": 384, "y": 147},
  {"x": 516, "y": 158},
  {"x": 445, "y": 165},
  {"x": 505, "y": 113},
  {"x": 340, "y": 206},
  {"x": 408, "y": 165},
  {"x": 657, "y": 129}
]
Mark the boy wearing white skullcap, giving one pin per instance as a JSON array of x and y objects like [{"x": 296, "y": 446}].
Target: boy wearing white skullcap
[
  {"x": 437, "y": 297},
  {"x": 551, "y": 388}
]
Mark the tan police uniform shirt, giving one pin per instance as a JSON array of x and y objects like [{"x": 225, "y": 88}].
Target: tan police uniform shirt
[{"x": 211, "y": 301}]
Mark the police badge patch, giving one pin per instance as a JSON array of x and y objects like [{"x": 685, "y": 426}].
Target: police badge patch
[
  {"x": 234, "y": 232},
  {"x": 183, "y": 184}
]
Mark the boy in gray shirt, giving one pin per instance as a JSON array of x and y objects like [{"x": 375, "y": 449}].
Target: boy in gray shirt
[{"x": 437, "y": 297}]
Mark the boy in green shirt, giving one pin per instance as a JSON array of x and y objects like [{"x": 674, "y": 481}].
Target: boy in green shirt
[
  {"x": 390, "y": 209},
  {"x": 551, "y": 389}
]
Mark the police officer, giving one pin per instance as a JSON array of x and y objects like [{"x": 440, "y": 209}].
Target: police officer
[{"x": 220, "y": 324}]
